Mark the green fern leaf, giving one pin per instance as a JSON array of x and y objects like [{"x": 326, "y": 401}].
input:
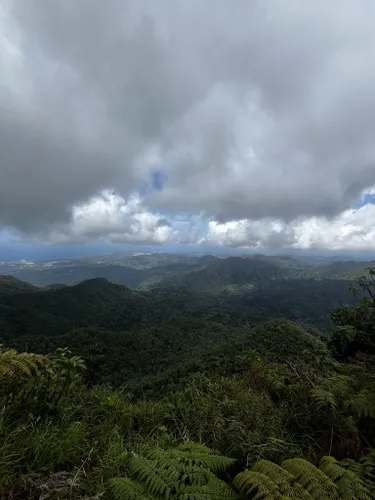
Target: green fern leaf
[
  {"x": 256, "y": 485},
  {"x": 156, "y": 480},
  {"x": 348, "y": 483},
  {"x": 124, "y": 488},
  {"x": 311, "y": 478},
  {"x": 363, "y": 404},
  {"x": 214, "y": 490},
  {"x": 202, "y": 456},
  {"x": 323, "y": 399},
  {"x": 285, "y": 481}
]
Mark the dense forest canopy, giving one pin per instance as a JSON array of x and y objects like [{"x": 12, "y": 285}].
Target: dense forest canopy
[{"x": 187, "y": 391}]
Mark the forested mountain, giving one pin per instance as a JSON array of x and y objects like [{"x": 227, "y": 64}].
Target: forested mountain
[
  {"x": 234, "y": 274},
  {"x": 10, "y": 285},
  {"x": 71, "y": 275},
  {"x": 202, "y": 273},
  {"x": 129, "y": 270},
  {"x": 345, "y": 269},
  {"x": 208, "y": 405},
  {"x": 203, "y": 361},
  {"x": 157, "y": 336},
  {"x": 93, "y": 302},
  {"x": 233, "y": 292}
]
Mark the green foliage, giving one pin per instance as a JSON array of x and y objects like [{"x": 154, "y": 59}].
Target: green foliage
[
  {"x": 349, "y": 484},
  {"x": 364, "y": 468},
  {"x": 300, "y": 479},
  {"x": 10, "y": 285},
  {"x": 106, "y": 442},
  {"x": 186, "y": 472},
  {"x": 283, "y": 340},
  {"x": 152, "y": 341},
  {"x": 262, "y": 395},
  {"x": 285, "y": 482},
  {"x": 323, "y": 399},
  {"x": 124, "y": 488},
  {"x": 33, "y": 384},
  {"x": 354, "y": 333},
  {"x": 16, "y": 368},
  {"x": 316, "y": 483}
]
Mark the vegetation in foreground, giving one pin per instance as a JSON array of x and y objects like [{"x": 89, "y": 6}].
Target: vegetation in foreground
[{"x": 270, "y": 424}]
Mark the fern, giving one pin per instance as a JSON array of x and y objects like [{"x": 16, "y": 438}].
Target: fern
[
  {"x": 294, "y": 479},
  {"x": 364, "y": 469},
  {"x": 198, "y": 455},
  {"x": 285, "y": 481},
  {"x": 323, "y": 399},
  {"x": 214, "y": 490},
  {"x": 348, "y": 483},
  {"x": 187, "y": 471},
  {"x": 340, "y": 385},
  {"x": 124, "y": 488},
  {"x": 317, "y": 484},
  {"x": 363, "y": 404},
  {"x": 16, "y": 367},
  {"x": 256, "y": 485},
  {"x": 155, "y": 479}
]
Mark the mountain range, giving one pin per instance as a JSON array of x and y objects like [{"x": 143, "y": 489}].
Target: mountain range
[
  {"x": 173, "y": 310},
  {"x": 206, "y": 273}
]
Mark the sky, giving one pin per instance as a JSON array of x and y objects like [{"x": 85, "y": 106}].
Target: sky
[{"x": 232, "y": 124}]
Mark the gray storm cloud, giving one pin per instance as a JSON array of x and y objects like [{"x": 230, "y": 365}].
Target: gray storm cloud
[{"x": 254, "y": 109}]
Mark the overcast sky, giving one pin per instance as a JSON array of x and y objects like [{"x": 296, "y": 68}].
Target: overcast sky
[{"x": 236, "y": 123}]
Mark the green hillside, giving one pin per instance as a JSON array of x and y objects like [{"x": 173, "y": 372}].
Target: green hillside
[
  {"x": 235, "y": 289},
  {"x": 205, "y": 274},
  {"x": 207, "y": 406},
  {"x": 234, "y": 275},
  {"x": 73, "y": 274},
  {"x": 94, "y": 302},
  {"x": 345, "y": 269},
  {"x": 154, "y": 340},
  {"x": 10, "y": 285}
]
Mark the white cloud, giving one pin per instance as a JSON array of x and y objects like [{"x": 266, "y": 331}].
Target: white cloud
[
  {"x": 257, "y": 109},
  {"x": 108, "y": 217},
  {"x": 351, "y": 230}
]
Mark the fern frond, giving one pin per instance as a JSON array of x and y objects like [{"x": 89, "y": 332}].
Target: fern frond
[
  {"x": 214, "y": 490},
  {"x": 311, "y": 478},
  {"x": 195, "y": 448},
  {"x": 339, "y": 384},
  {"x": 348, "y": 483},
  {"x": 187, "y": 469},
  {"x": 156, "y": 480},
  {"x": 323, "y": 399},
  {"x": 16, "y": 367},
  {"x": 285, "y": 481},
  {"x": 201, "y": 456},
  {"x": 124, "y": 488},
  {"x": 364, "y": 469},
  {"x": 256, "y": 485},
  {"x": 363, "y": 404}
]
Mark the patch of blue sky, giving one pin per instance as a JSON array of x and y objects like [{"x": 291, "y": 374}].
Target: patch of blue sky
[
  {"x": 156, "y": 182},
  {"x": 367, "y": 198}
]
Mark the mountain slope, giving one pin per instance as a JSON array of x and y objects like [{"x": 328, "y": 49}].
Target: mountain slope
[
  {"x": 10, "y": 285},
  {"x": 72, "y": 275},
  {"x": 348, "y": 270},
  {"x": 235, "y": 275},
  {"x": 94, "y": 302}
]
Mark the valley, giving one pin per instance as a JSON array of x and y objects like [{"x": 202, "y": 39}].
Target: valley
[
  {"x": 257, "y": 361},
  {"x": 147, "y": 316}
]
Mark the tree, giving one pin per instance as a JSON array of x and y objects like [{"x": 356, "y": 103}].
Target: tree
[{"x": 354, "y": 325}]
